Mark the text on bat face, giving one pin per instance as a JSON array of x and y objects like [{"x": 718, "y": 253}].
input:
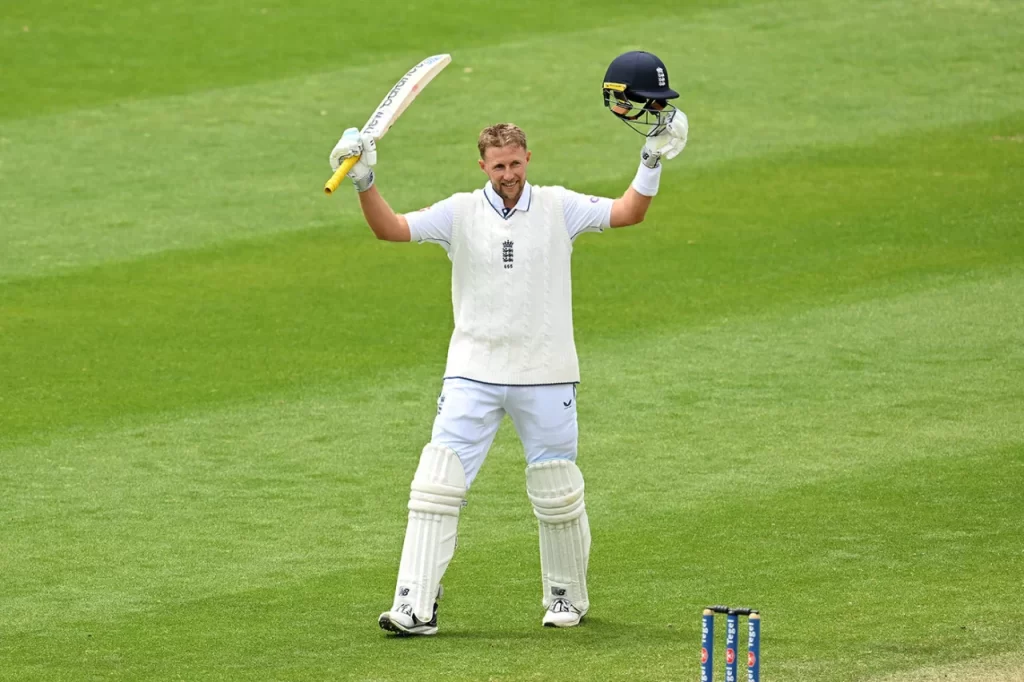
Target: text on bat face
[
  {"x": 375, "y": 120},
  {"x": 388, "y": 101}
]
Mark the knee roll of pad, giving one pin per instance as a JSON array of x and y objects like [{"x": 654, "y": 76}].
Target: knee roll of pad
[
  {"x": 556, "y": 490},
  {"x": 439, "y": 485}
]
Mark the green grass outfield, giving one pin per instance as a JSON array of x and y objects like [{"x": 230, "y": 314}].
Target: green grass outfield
[{"x": 803, "y": 375}]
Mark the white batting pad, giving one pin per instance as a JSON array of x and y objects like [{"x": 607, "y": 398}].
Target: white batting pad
[
  {"x": 556, "y": 491},
  {"x": 435, "y": 499}
]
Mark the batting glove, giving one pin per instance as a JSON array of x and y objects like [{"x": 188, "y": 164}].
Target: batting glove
[
  {"x": 354, "y": 143},
  {"x": 668, "y": 143}
]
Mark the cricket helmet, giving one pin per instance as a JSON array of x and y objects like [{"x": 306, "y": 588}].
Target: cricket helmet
[{"x": 636, "y": 90}]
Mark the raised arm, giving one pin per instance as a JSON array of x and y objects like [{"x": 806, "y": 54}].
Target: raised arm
[
  {"x": 631, "y": 207},
  {"x": 385, "y": 223}
]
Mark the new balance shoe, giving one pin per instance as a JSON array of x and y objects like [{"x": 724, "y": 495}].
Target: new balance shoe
[
  {"x": 402, "y": 621},
  {"x": 562, "y": 614}
]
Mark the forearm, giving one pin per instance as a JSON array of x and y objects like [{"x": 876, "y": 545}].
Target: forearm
[
  {"x": 384, "y": 222},
  {"x": 631, "y": 207}
]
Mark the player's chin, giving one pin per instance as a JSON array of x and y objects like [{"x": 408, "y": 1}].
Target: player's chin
[{"x": 510, "y": 190}]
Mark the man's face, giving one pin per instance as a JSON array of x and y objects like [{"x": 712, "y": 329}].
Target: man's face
[{"x": 506, "y": 167}]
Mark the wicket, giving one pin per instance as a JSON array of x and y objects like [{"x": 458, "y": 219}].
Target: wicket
[{"x": 732, "y": 628}]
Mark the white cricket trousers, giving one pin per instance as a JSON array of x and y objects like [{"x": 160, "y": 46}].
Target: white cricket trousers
[{"x": 469, "y": 413}]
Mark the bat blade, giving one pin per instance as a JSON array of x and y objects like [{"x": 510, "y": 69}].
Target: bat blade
[{"x": 403, "y": 93}]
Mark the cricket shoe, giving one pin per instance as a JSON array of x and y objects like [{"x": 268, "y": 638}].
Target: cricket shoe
[
  {"x": 562, "y": 614},
  {"x": 403, "y": 622}
]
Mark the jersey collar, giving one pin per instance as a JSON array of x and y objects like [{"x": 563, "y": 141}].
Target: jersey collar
[{"x": 498, "y": 204}]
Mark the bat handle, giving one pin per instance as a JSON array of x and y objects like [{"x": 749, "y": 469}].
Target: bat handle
[{"x": 340, "y": 174}]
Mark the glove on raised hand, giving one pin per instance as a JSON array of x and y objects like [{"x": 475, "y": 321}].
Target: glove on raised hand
[
  {"x": 354, "y": 143},
  {"x": 668, "y": 143}
]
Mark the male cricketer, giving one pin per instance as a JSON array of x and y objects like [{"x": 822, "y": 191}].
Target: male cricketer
[{"x": 512, "y": 350}]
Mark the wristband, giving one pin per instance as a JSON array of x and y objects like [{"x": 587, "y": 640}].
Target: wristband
[{"x": 647, "y": 179}]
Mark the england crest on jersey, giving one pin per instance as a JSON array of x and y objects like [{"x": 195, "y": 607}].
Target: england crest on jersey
[{"x": 506, "y": 253}]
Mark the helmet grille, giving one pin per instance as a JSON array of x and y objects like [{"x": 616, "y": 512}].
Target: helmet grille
[{"x": 644, "y": 115}]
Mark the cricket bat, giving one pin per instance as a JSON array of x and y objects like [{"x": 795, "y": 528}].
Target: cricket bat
[{"x": 392, "y": 106}]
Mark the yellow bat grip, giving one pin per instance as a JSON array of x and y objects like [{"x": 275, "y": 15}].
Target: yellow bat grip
[{"x": 340, "y": 174}]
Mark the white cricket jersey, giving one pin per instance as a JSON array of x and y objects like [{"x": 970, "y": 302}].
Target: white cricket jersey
[{"x": 511, "y": 280}]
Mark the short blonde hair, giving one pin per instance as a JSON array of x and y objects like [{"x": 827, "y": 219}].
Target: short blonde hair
[{"x": 501, "y": 135}]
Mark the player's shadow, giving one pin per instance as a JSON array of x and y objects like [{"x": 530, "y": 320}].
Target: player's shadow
[{"x": 608, "y": 629}]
